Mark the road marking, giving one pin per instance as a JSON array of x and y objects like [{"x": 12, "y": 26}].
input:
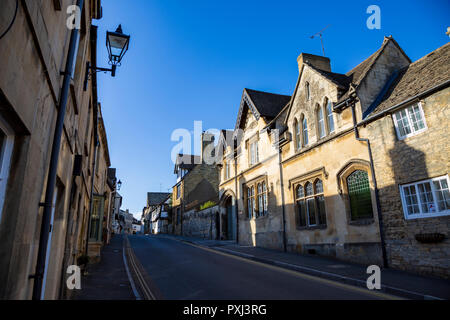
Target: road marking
[
  {"x": 130, "y": 278},
  {"x": 148, "y": 295},
  {"x": 378, "y": 294}
]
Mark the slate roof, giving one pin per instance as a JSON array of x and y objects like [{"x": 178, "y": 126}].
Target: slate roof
[
  {"x": 155, "y": 198},
  {"x": 268, "y": 104},
  {"x": 186, "y": 161},
  {"x": 426, "y": 73}
]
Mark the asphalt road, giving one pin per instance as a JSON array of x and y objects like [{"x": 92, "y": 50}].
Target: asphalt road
[{"x": 182, "y": 271}]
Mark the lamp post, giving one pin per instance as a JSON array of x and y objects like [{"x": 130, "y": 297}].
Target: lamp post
[{"x": 117, "y": 44}]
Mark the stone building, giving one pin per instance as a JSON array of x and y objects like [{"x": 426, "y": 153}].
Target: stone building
[
  {"x": 196, "y": 189},
  {"x": 155, "y": 214},
  {"x": 33, "y": 55},
  {"x": 407, "y": 127},
  {"x": 324, "y": 172}
]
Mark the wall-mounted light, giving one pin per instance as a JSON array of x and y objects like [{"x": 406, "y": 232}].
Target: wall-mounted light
[{"x": 117, "y": 44}]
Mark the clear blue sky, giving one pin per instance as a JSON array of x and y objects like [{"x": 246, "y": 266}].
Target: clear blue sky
[{"x": 190, "y": 60}]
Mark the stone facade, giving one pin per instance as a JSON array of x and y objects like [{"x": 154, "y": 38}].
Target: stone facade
[
  {"x": 201, "y": 224},
  {"x": 197, "y": 185},
  {"x": 415, "y": 158},
  {"x": 348, "y": 170},
  {"x": 33, "y": 54}
]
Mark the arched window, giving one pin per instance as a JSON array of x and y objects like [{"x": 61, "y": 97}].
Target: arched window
[
  {"x": 320, "y": 122},
  {"x": 329, "y": 115},
  {"x": 310, "y": 204},
  {"x": 359, "y": 195},
  {"x": 298, "y": 135},
  {"x": 307, "y": 91},
  {"x": 304, "y": 132}
]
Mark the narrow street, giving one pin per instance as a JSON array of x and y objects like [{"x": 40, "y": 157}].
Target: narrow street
[{"x": 182, "y": 271}]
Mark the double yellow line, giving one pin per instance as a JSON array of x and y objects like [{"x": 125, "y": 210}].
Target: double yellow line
[{"x": 138, "y": 272}]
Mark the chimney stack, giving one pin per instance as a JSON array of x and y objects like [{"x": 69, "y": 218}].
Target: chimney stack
[
  {"x": 319, "y": 62},
  {"x": 208, "y": 151}
]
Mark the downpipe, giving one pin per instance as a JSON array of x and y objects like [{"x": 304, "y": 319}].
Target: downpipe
[
  {"x": 51, "y": 178},
  {"x": 377, "y": 197}
]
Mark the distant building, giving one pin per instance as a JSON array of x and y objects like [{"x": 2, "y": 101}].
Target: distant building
[
  {"x": 155, "y": 214},
  {"x": 197, "y": 188}
]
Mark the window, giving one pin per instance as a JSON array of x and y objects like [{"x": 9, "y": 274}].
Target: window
[
  {"x": 251, "y": 202},
  {"x": 178, "y": 191},
  {"x": 329, "y": 115},
  {"x": 307, "y": 91},
  {"x": 428, "y": 198},
  {"x": 310, "y": 204},
  {"x": 409, "y": 121},
  {"x": 262, "y": 199},
  {"x": 253, "y": 156},
  {"x": 257, "y": 202},
  {"x": 359, "y": 195},
  {"x": 95, "y": 232},
  {"x": 227, "y": 170},
  {"x": 320, "y": 122},
  {"x": 6, "y": 148},
  {"x": 298, "y": 135},
  {"x": 305, "y": 132}
]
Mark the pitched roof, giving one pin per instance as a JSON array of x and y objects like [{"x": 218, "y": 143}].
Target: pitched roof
[
  {"x": 356, "y": 75},
  {"x": 426, "y": 73},
  {"x": 186, "y": 161},
  {"x": 267, "y": 104},
  {"x": 155, "y": 198}
]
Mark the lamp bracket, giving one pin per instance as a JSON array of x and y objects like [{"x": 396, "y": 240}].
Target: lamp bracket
[{"x": 91, "y": 69}]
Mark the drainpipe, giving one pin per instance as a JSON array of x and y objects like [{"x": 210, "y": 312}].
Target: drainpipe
[
  {"x": 377, "y": 197},
  {"x": 51, "y": 179},
  {"x": 282, "y": 199},
  {"x": 94, "y": 168},
  {"x": 236, "y": 209}
]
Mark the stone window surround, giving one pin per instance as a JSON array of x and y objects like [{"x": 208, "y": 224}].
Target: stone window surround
[
  {"x": 253, "y": 139},
  {"x": 423, "y": 215},
  {"x": 311, "y": 177},
  {"x": 254, "y": 183},
  {"x": 413, "y": 133},
  {"x": 6, "y": 149},
  {"x": 341, "y": 178}
]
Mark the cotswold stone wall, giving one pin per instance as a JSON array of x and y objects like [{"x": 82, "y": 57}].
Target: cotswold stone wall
[
  {"x": 201, "y": 224},
  {"x": 397, "y": 162}
]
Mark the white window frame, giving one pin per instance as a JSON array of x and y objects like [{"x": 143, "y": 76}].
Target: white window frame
[
  {"x": 419, "y": 202},
  {"x": 253, "y": 157},
  {"x": 413, "y": 133},
  {"x": 5, "y": 160}
]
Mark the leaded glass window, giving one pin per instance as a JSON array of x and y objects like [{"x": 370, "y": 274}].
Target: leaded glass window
[{"x": 359, "y": 194}]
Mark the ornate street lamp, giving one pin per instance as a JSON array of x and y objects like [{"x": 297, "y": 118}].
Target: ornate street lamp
[
  {"x": 119, "y": 184},
  {"x": 117, "y": 44}
]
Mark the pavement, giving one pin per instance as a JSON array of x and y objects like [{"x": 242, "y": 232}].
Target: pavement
[
  {"x": 395, "y": 282},
  {"x": 107, "y": 280}
]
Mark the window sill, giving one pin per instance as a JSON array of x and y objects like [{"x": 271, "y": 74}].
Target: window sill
[
  {"x": 362, "y": 222},
  {"x": 319, "y": 227}
]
